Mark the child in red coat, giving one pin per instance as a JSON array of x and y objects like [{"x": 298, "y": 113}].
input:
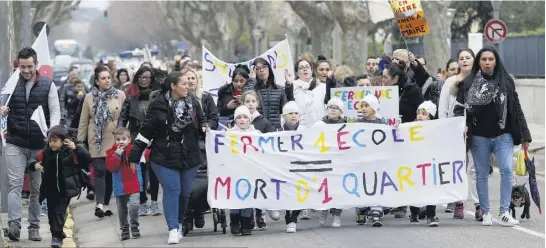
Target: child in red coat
[{"x": 127, "y": 182}]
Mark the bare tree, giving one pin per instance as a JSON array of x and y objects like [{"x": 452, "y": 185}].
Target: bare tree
[
  {"x": 318, "y": 18},
  {"x": 51, "y": 12},
  {"x": 131, "y": 25},
  {"x": 437, "y": 48},
  {"x": 354, "y": 22}
]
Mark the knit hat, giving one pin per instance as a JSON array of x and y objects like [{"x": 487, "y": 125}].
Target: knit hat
[
  {"x": 372, "y": 101},
  {"x": 428, "y": 106},
  {"x": 336, "y": 102},
  {"x": 242, "y": 110},
  {"x": 290, "y": 107}
]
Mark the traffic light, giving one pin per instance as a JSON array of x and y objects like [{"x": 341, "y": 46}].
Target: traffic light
[{"x": 105, "y": 16}]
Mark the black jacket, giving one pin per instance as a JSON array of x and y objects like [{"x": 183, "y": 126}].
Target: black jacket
[
  {"x": 225, "y": 95},
  {"x": 176, "y": 150},
  {"x": 210, "y": 110},
  {"x": 69, "y": 102},
  {"x": 131, "y": 114},
  {"x": 433, "y": 92},
  {"x": 410, "y": 97},
  {"x": 22, "y": 131},
  {"x": 272, "y": 98},
  {"x": 519, "y": 130},
  {"x": 418, "y": 74},
  {"x": 62, "y": 171},
  {"x": 261, "y": 124}
]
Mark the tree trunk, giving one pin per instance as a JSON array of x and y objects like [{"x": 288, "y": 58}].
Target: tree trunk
[
  {"x": 320, "y": 22},
  {"x": 437, "y": 49},
  {"x": 321, "y": 41}
]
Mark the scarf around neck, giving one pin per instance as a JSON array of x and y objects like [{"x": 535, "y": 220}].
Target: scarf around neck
[
  {"x": 102, "y": 112},
  {"x": 182, "y": 110},
  {"x": 483, "y": 91}
]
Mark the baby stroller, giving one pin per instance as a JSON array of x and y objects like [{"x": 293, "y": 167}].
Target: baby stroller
[{"x": 198, "y": 204}]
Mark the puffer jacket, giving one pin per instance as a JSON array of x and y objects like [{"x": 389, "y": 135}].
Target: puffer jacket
[
  {"x": 176, "y": 150},
  {"x": 61, "y": 176},
  {"x": 272, "y": 98},
  {"x": 210, "y": 111},
  {"x": 433, "y": 92},
  {"x": 410, "y": 97}
]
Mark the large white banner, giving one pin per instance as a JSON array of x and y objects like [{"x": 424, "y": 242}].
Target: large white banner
[
  {"x": 352, "y": 97},
  {"x": 216, "y": 73},
  {"x": 339, "y": 166}
]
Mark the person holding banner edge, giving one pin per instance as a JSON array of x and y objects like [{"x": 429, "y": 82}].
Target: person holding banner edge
[{"x": 25, "y": 138}]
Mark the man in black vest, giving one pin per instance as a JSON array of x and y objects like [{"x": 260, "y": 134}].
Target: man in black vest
[{"x": 25, "y": 139}]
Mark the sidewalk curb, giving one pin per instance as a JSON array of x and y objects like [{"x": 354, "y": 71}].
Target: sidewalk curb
[{"x": 69, "y": 229}]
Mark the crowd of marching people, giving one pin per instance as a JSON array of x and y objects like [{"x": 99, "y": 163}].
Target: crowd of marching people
[{"x": 127, "y": 136}]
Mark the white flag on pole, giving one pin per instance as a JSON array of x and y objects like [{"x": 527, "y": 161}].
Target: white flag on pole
[{"x": 39, "y": 117}]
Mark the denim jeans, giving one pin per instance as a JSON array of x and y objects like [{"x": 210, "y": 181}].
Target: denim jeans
[
  {"x": 502, "y": 146},
  {"x": 245, "y": 212},
  {"x": 16, "y": 163},
  {"x": 176, "y": 186}
]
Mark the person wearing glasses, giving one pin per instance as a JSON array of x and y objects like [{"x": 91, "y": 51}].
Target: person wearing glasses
[{"x": 132, "y": 116}]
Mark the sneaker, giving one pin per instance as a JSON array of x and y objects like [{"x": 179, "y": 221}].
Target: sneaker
[
  {"x": 459, "y": 212},
  {"x": 487, "y": 219},
  {"x": 174, "y": 236},
  {"x": 361, "y": 219},
  {"x": 34, "y": 235},
  {"x": 432, "y": 222},
  {"x": 14, "y": 233},
  {"x": 450, "y": 208},
  {"x": 135, "y": 232},
  {"x": 154, "y": 209},
  {"x": 99, "y": 213},
  {"x": 260, "y": 222},
  {"x": 108, "y": 212},
  {"x": 323, "y": 216},
  {"x": 56, "y": 243},
  {"x": 90, "y": 195},
  {"x": 275, "y": 215},
  {"x": 125, "y": 235},
  {"x": 478, "y": 214},
  {"x": 180, "y": 231},
  {"x": 291, "y": 228},
  {"x": 304, "y": 215},
  {"x": 414, "y": 219},
  {"x": 336, "y": 221},
  {"x": 507, "y": 220},
  {"x": 144, "y": 210}
]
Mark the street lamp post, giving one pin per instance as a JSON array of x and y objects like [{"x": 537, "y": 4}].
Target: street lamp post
[
  {"x": 496, "y": 13},
  {"x": 257, "y": 34}
]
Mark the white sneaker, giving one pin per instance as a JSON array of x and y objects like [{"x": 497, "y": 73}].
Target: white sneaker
[
  {"x": 173, "y": 237},
  {"x": 291, "y": 228},
  {"x": 322, "y": 219},
  {"x": 304, "y": 215},
  {"x": 180, "y": 232},
  {"x": 487, "y": 219},
  {"x": 507, "y": 220},
  {"x": 336, "y": 222},
  {"x": 275, "y": 215}
]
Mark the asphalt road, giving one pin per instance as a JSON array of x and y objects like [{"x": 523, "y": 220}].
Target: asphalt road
[{"x": 395, "y": 232}]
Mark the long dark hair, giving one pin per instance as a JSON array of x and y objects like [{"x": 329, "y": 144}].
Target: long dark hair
[
  {"x": 297, "y": 64},
  {"x": 121, "y": 71},
  {"x": 171, "y": 79},
  {"x": 398, "y": 70},
  {"x": 499, "y": 72},
  {"x": 459, "y": 53},
  {"x": 271, "y": 79},
  {"x": 134, "y": 89},
  {"x": 241, "y": 70}
]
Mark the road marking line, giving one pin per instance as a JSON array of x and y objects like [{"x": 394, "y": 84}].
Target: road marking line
[{"x": 519, "y": 228}]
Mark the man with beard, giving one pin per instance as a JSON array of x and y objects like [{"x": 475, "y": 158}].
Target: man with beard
[{"x": 25, "y": 139}]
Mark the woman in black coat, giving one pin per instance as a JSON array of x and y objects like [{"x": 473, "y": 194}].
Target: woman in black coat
[
  {"x": 495, "y": 123},
  {"x": 173, "y": 124},
  {"x": 272, "y": 97},
  {"x": 229, "y": 95}
]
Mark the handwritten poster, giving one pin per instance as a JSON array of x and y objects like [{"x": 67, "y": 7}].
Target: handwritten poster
[
  {"x": 217, "y": 73},
  {"x": 352, "y": 97},
  {"x": 339, "y": 166},
  {"x": 410, "y": 17}
]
